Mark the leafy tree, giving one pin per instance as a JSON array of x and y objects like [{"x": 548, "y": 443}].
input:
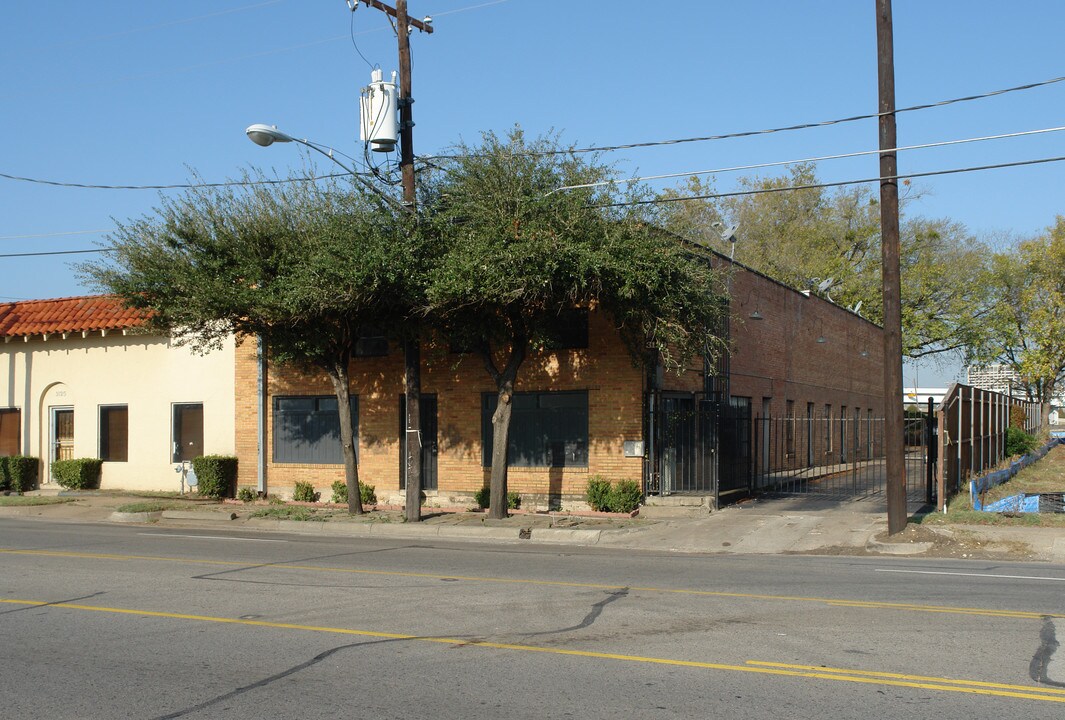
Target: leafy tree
[
  {"x": 519, "y": 252},
  {"x": 1026, "y": 316},
  {"x": 828, "y": 241},
  {"x": 308, "y": 267}
]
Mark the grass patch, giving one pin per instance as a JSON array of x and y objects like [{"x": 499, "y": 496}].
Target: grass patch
[
  {"x": 959, "y": 512},
  {"x": 152, "y": 506},
  {"x": 290, "y": 512},
  {"x": 23, "y": 500}
]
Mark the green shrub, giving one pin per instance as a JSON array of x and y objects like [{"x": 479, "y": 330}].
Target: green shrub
[
  {"x": 77, "y": 474},
  {"x": 1018, "y": 442},
  {"x": 367, "y": 493},
  {"x": 304, "y": 492},
  {"x": 18, "y": 473},
  {"x": 216, "y": 475},
  {"x": 483, "y": 497},
  {"x": 625, "y": 496},
  {"x": 21, "y": 472},
  {"x": 597, "y": 493},
  {"x": 246, "y": 495},
  {"x": 621, "y": 497}
]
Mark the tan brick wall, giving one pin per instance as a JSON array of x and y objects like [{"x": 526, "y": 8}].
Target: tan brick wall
[
  {"x": 776, "y": 357},
  {"x": 604, "y": 369}
]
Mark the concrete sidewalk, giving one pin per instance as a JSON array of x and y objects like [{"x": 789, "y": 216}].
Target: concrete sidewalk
[{"x": 776, "y": 526}]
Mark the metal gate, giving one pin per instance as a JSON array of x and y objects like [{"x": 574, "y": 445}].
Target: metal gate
[
  {"x": 703, "y": 447},
  {"x": 839, "y": 456}
]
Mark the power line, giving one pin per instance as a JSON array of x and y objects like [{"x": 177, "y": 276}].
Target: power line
[
  {"x": 58, "y": 252},
  {"x": 839, "y": 156},
  {"x": 54, "y": 234},
  {"x": 174, "y": 186},
  {"x": 605, "y": 148},
  {"x": 712, "y": 196},
  {"x": 814, "y": 186},
  {"x": 768, "y": 131}
]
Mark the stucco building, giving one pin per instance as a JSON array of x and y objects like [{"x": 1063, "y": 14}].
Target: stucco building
[{"x": 79, "y": 378}]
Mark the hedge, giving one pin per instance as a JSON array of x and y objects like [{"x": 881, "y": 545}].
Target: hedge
[
  {"x": 18, "y": 473},
  {"x": 216, "y": 475},
  {"x": 77, "y": 474}
]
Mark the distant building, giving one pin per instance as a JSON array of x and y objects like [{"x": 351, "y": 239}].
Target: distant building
[
  {"x": 920, "y": 396},
  {"x": 997, "y": 378}
]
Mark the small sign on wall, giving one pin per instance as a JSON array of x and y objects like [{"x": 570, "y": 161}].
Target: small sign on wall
[{"x": 634, "y": 448}]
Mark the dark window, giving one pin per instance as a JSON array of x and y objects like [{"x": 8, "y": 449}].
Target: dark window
[
  {"x": 548, "y": 429},
  {"x": 188, "y": 431},
  {"x": 569, "y": 331},
  {"x": 9, "y": 431},
  {"x": 114, "y": 433},
  {"x": 307, "y": 429},
  {"x": 371, "y": 343}
]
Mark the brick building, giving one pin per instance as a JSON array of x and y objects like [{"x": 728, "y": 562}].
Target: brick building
[{"x": 581, "y": 411}]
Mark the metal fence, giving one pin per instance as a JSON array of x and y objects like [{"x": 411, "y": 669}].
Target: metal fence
[
  {"x": 972, "y": 437},
  {"x": 835, "y": 456}
]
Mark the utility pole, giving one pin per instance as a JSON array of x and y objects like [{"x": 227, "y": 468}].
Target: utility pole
[
  {"x": 894, "y": 442},
  {"x": 411, "y": 346}
]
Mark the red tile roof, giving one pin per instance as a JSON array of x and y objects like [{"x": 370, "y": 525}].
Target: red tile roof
[{"x": 76, "y": 314}]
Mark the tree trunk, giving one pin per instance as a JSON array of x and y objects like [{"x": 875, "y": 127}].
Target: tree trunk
[
  {"x": 338, "y": 374},
  {"x": 505, "y": 380},
  {"x": 413, "y": 385}
]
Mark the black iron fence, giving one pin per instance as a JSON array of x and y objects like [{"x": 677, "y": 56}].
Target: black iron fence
[{"x": 836, "y": 456}]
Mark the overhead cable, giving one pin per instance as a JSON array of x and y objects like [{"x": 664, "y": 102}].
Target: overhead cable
[
  {"x": 814, "y": 186},
  {"x": 768, "y": 131},
  {"x": 174, "y": 186},
  {"x": 779, "y": 163}
]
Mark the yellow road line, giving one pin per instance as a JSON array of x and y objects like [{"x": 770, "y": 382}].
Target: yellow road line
[
  {"x": 836, "y": 602},
  {"x": 902, "y": 676},
  {"x": 972, "y": 687}
]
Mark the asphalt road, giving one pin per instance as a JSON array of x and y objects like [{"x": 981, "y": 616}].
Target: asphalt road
[{"x": 100, "y": 621}]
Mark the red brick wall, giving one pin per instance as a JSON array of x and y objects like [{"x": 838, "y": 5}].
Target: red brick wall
[{"x": 779, "y": 356}]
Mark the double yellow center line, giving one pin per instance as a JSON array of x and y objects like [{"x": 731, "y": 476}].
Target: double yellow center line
[{"x": 813, "y": 672}]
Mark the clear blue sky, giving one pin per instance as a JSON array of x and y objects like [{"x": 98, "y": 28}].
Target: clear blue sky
[{"x": 140, "y": 93}]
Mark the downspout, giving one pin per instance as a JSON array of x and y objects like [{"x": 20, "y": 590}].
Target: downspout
[{"x": 260, "y": 414}]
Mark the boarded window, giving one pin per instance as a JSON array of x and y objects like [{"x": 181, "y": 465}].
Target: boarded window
[
  {"x": 548, "y": 429},
  {"x": 114, "y": 433},
  {"x": 10, "y": 419},
  {"x": 307, "y": 430}
]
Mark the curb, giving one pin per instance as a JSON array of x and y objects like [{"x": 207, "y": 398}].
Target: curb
[
  {"x": 569, "y": 536},
  {"x": 134, "y": 517},
  {"x": 889, "y": 548},
  {"x": 201, "y": 515}
]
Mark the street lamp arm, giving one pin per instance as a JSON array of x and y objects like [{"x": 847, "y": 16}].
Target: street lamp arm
[{"x": 266, "y": 135}]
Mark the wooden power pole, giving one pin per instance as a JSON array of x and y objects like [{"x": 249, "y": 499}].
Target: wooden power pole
[
  {"x": 894, "y": 441},
  {"x": 411, "y": 347}
]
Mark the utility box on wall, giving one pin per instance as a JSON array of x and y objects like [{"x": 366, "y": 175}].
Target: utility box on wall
[{"x": 634, "y": 448}]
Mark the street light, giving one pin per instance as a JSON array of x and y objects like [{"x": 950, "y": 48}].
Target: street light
[{"x": 266, "y": 135}]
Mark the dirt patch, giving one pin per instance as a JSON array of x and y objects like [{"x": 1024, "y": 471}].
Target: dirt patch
[{"x": 958, "y": 543}]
